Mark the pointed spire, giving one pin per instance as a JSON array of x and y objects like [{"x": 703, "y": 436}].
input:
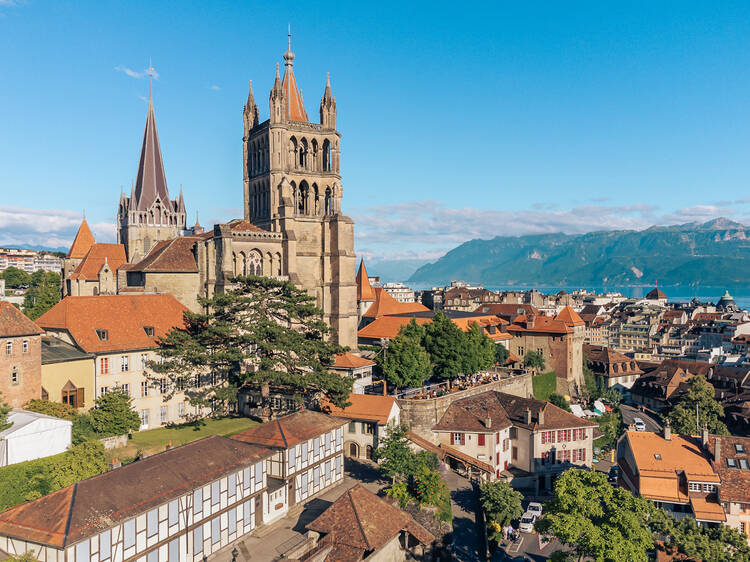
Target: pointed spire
[
  {"x": 180, "y": 202},
  {"x": 151, "y": 182},
  {"x": 328, "y": 106},
  {"x": 83, "y": 241},
  {"x": 327, "y": 95},
  {"x": 295, "y": 107},
  {"x": 365, "y": 292},
  {"x": 250, "y": 111}
]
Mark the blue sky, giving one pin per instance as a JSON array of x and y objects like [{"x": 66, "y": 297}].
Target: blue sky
[{"x": 458, "y": 120}]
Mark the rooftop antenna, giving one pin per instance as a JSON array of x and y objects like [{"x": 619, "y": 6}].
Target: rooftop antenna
[
  {"x": 289, "y": 37},
  {"x": 151, "y": 71}
]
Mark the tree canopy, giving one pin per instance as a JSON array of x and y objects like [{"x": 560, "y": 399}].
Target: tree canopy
[
  {"x": 479, "y": 350},
  {"x": 501, "y": 504},
  {"x": 42, "y": 294},
  {"x": 406, "y": 362},
  {"x": 699, "y": 394},
  {"x": 114, "y": 414},
  {"x": 559, "y": 401},
  {"x": 4, "y": 411},
  {"x": 396, "y": 459},
  {"x": 535, "y": 361},
  {"x": 262, "y": 333},
  {"x": 15, "y": 278},
  {"x": 607, "y": 523},
  {"x": 501, "y": 354},
  {"x": 452, "y": 351}
]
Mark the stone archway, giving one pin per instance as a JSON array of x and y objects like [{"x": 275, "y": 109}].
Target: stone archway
[{"x": 352, "y": 450}]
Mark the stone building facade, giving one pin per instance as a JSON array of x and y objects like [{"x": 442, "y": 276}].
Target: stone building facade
[{"x": 20, "y": 357}]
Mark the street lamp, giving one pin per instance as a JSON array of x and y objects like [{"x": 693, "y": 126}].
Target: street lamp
[{"x": 235, "y": 554}]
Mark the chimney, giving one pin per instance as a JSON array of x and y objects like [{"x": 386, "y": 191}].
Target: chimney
[
  {"x": 488, "y": 422},
  {"x": 667, "y": 430},
  {"x": 527, "y": 416},
  {"x": 115, "y": 463},
  {"x": 530, "y": 320},
  {"x": 717, "y": 449},
  {"x": 704, "y": 436},
  {"x": 541, "y": 416}
]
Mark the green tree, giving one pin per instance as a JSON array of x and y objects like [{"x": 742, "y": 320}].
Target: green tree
[
  {"x": 15, "y": 278},
  {"x": 501, "y": 504},
  {"x": 4, "y": 411},
  {"x": 610, "y": 424},
  {"x": 534, "y": 361},
  {"x": 607, "y": 523},
  {"x": 700, "y": 395},
  {"x": 594, "y": 386},
  {"x": 430, "y": 488},
  {"x": 261, "y": 333},
  {"x": 397, "y": 461},
  {"x": 27, "y": 557},
  {"x": 114, "y": 414},
  {"x": 82, "y": 461},
  {"x": 479, "y": 350},
  {"x": 406, "y": 362},
  {"x": 49, "y": 408},
  {"x": 559, "y": 401},
  {"x": 445, "y": 343},
  {"x": 43, "y": 293},
  {"x": 501, "y": 354}
]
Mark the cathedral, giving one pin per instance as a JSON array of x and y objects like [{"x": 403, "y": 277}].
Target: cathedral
[{"x": 292, "y": 227}]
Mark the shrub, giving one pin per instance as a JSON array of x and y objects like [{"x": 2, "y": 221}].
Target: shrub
[{"x": 400, "y": 491}]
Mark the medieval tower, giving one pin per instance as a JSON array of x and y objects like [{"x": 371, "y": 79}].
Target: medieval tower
[
  {"x": 292, "y": 186},
  {"x": 148, "y": 215}
]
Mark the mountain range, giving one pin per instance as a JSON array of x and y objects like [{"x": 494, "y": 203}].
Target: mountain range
[{"x": 711, "y": 254}]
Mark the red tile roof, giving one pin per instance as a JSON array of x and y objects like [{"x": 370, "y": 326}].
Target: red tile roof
[
  {"x": 122, "y": 316},
  {"x": 370, "y": 407},
  {"x": 14, "y": 323},
  {"x": 735, "y": 481},
  {"x": 348, "y": 360},
  {"x": 175, "y": 255},
  {"x": 385, "y": 304},
  {"x": 570, "y": 317},
  {"x": 83, "y": 241},
  {"x": 96, "y": 504},
  {"x": 290, "y": 430},
  {"x": 244, "y": 225},
  {"x": 96, "y": 257},
  {"x": 542, "y": 325},
  {"x": 365, "y": 292},
  {"x": 361, "y": 522},
  {"x": 295, "y": 107}
]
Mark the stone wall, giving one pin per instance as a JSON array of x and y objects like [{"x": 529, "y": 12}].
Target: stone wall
[
  {"x": 115, "y": 442},
  {"x": 421, "y": 415}
]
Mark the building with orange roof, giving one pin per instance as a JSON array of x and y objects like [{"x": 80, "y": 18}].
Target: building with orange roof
[
  {"x": 307, "y": 457},
  {"x": 369, "y": 416},
  {"x": 20, "y": 356},
  {"x": 676, "y": 472},
  {"x": 348, "y": 364},
  {"x": 385, "y": 305},
  {"x": 96, "y": 273},
  {"x": 121, "y": 332}
]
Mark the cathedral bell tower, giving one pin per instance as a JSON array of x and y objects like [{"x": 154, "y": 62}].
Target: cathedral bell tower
[
  {"x": 292, "y": 186},
  {"x": 149, "y": 215}
]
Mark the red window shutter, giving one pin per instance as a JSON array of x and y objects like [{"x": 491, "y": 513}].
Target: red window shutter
[
  {"x": 463, "y": 439},
  {"x": 452, "y": 439},
  {"x": 480, "y": 438},
  {"x": 497, "y": 438},
  {"x": 583, "y": 454},
  {"x": 497, "y": 458}
]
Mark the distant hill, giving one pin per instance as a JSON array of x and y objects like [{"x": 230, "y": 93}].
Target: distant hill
[
  {"x": 393, "y": 270},
  {"x": 715, "y": 253}
]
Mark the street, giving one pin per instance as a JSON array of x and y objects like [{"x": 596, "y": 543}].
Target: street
[
  {"x": 629, "y": 412},
  {"x": 468, "y": 537}
]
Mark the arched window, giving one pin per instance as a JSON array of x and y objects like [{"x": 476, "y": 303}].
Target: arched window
[
  {"x": 234, "y": 263},
  {"x": 277, "y": 263},
  {"x": 304, "y": 195},
  {"x": 327, "y": 203},
  {"x": 316, "y": 200},
  {"x": 294, "y": 194},
  {"x": 293, "y": 151},
  {"x": 314, "y": 150},
  {"x": 326, "y": 155},
  {"x": 303, "y": 153},
  {"x": 254, "y": 263}
]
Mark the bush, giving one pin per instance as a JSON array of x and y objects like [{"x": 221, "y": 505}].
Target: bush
[
  {"x": 430, "y": 488},
  {"x": 400, "y": 491},
  {"x": 49, "y": 408},
  {"x": 559, "y": 401},
  {"x": 114, "y": 414}
]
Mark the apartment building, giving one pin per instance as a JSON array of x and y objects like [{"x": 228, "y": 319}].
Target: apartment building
[
  {"x": 181, "y": 505},
  {"x": 307, "y": 457},
  {"x": 369, "y": 418},
  {"x": 20, "y": 356},
  {"x": 524, "y": 440},
  {"x": 121, "y": 332}
]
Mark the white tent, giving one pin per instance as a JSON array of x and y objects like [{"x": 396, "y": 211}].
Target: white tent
[
  {"x": 577, "y": 410},
  {"x": 599, "y": 405},
  {"x": 33, "y": 436}
]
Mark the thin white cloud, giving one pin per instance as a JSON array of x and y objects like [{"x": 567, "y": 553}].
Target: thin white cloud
[
  {"x": 214, "y": 87},
  {"x": 52, "y": 228},
  {"x": 134, "y": 73}
]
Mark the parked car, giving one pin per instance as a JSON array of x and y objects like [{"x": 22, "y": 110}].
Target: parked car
[
  {"x": 639, "y": 424},
  {"x": 614, "y": 473},
  {"x": 527, "y": 523},
  {"x": 535, "y": 508}
]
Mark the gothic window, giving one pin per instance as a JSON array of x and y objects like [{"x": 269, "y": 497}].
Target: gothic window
[
  {"x": 294, "y": 194},
  {"x": 326, "y": 156},
  {"x": 327, "y": 208},
  {"x": 316, "y": 200},
  {"x": 314, "y": 148},
  {"x": 304, "y": 195},
  {"x": 234, "y": 263},
  {"x": 277, "y": 263},
  {"x": 293, "y": 151},
  {"x": 254, "y": 263},
  {"x": 303, "y": 153}
]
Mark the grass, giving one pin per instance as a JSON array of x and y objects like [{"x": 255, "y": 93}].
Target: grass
[
  {"x": 155, "y": 440},
  {"x": 544, "y": 385}
]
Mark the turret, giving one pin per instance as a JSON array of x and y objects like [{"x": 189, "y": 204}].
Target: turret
[
  {"x": 250, "y": 112},
  {"x": 276, "y": 102},
  {"x": 328, "y": 107}
]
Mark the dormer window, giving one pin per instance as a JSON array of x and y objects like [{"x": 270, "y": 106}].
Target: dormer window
[
  {"x": 739, "y": 448},
  {"x": 149, "y": 331},
  {"x": 731, "y": 463},
  {"x": 657, "y": 456},
  {"x": 102, "y": 334},
  {"x": 743, "y": 463}
]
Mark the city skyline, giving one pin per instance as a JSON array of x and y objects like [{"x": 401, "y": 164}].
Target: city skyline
[{"x": 552, "y": 119}]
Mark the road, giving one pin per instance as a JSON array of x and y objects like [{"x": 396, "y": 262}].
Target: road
[
  {"x": 629, "y": 412},
  {"x": 468, "y": 537}
]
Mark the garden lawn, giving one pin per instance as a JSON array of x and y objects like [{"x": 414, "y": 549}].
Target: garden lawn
[
  {"x": 155, "y": 440},
  {"x": 544, "y": 385}
]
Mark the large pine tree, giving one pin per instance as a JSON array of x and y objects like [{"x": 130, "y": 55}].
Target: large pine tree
[{"x": 263, "y": 333}]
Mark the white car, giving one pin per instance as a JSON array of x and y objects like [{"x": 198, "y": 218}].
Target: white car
[
  {"x": 639, "y": 424},
  {"x": 535, "y": 508},
  {"x": 527, "y": 523}
]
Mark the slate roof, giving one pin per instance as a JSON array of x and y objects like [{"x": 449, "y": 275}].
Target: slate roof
[
  {"x": 504, "y": 410},
  {"x": 289, "y": 430},
  {"x": 124, "y": 317},
  {"x": 151, "y": 181},
  {"x": 84, "y": 509},
  {"x": 83, "y": 241},
  {"x": 55, "y": 350},
  {"x": 656, "y": 294},
  {"x": 14, "y": 323},
  {"x": 735, "y": 481},
  {"x": 96, "y": 257},
  {"x": 359, "y": 522}
]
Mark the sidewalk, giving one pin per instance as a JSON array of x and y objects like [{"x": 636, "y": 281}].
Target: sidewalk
[{"x": 270, "y": 542}]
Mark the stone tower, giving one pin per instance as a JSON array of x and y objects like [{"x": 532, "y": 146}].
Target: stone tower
[
  {"x": 292, "y": 186},
  {"x": 148, "y": 215}
]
